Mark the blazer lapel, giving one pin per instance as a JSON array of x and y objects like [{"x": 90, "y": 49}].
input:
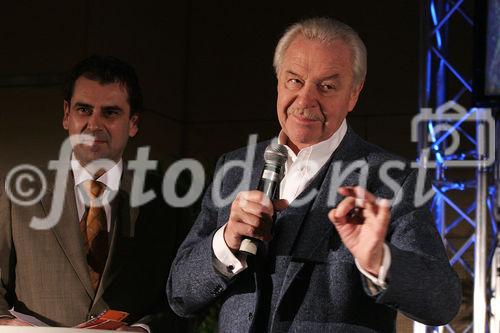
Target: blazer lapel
[{"x": 67, "y": 233}]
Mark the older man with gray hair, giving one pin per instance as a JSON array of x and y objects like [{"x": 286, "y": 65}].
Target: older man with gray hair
[{"x": 346, "y": 269}]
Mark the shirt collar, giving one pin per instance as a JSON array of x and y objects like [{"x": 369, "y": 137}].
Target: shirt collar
[
  {"x": 111, "y": 178},
  {"x": 319, "y": 151}
]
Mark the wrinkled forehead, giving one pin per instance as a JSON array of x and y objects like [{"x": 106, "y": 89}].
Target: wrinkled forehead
[{"x": 322, "y": 57}]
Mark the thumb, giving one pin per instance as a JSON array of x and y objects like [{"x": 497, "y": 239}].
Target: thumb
[
  {"x": 332, "y": 218},
  {"x": 280, "y": 204},
  {"x": 336, "y": 221}
]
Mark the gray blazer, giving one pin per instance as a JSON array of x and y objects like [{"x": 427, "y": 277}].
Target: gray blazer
[
  {"x": 305, "y": 280},
  {"x": 45, "y": 273}
]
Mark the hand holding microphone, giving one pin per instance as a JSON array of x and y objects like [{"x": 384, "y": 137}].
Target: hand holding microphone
[{"x": 250, "y": 219}]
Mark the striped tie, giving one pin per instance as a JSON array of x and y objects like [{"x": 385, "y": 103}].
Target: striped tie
[{"x": 94, "y": 229}]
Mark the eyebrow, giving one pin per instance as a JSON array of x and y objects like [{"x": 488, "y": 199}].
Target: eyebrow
[
  {"x": 112, "y": 108},
  {"x": 292, "y": 73},
  {"x": 85, "y": 105},
  {"x": 107, "y": 108},
  {"x": 331, "y": 77}
]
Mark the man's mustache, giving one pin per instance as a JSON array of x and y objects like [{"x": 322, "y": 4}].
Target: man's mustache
[{"x": 306, "y": 113}]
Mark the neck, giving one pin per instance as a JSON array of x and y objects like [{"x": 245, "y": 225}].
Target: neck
[
  {"x": 295, "y": 148},
  {"x": 96, "y": 170}
]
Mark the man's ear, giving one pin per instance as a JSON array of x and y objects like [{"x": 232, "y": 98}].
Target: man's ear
[
  {"x": 353, "y": 99},
  {"x": 66, "y": 108},
  {"x": 133, "y": 124}
]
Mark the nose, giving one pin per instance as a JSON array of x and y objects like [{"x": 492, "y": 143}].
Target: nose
[
  {"x": 306, "y": 97},
  {"x": 94, "y": 121}
]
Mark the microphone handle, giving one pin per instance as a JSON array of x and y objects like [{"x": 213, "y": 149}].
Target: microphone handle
[{"x": 250, "y": 245}]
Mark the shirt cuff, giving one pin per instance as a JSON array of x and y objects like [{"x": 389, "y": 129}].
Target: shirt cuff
[
  {"x": 229, "y": 264},
  {"x": 146, "y": 327},
  {"x": 380, "y": 280}
]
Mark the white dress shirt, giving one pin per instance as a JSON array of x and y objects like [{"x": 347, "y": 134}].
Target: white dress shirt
[{"x": 300, "y": 169}]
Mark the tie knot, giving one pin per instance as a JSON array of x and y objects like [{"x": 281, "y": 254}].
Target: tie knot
[{"x": 93, "y": 188}]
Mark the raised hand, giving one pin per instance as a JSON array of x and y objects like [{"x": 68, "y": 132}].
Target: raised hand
[{"x": 361, "y": 220}]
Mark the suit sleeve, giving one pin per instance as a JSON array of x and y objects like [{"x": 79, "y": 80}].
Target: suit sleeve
[
  {"x": 194, "y": 282},
  {"x": 7, "y": 257},
  {"x": 421, "y": 283}
]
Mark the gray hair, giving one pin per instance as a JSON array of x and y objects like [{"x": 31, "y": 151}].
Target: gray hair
[{"x": 325, "y": 30}]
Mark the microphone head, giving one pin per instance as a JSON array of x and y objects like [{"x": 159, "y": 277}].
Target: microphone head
[{"x": 276, "y": 154}]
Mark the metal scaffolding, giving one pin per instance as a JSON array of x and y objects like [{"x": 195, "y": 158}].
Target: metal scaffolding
[{"x": 457, "y": 138}]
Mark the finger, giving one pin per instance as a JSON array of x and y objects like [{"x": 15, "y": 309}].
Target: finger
[
  {"x": 248, "y": 211},
  {"x": 240, "y": 216},
  {"x": 344, "y": 207},
  {"x": 331, "y": 216},
  {"x": 384, "y": 209},
  {"x": 254, "y": 208},
  {"x": 260, "y": 226},
  {"x": 369, "y": 211},
  {"x": 246, "y": 230},
  {"x": 357, "y": 192},
  {"x": 335, "y": 218},
  {"x": 378, "y": 217},
  {"x": 280, "y": 204},
  {"x": 349, "y": 192},
  {"x": 362, "y": 193},
  {"x": 256, "y": 196},
  {"x": 380, "y": 206}
]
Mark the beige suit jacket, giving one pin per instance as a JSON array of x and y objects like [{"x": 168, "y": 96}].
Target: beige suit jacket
[{"x": 44, "y": 272}]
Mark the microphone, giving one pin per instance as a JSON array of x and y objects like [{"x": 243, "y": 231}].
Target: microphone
[{"x": 275, "y": 157}]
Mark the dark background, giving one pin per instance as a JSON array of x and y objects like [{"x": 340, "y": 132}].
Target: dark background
[{"x": 205, "y": 68}]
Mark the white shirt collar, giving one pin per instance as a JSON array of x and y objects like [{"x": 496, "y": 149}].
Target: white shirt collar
[
  {"x": 320, "y": 151},
  {"x": 111, "y": 178}
]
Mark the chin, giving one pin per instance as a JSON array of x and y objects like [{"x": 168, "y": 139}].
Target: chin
[
  {"x": 93, "y": 156},
  {"x": 304, "y": 139}
]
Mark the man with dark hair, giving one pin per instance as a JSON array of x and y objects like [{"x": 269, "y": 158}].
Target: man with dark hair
[
  {"x": 346, "y": 269},
  {"x": 101, "y": 254},
  {"x": 106, "y": 70}
]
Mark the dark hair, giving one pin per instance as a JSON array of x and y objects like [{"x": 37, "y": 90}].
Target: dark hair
[{"x": 106, "y": 70}]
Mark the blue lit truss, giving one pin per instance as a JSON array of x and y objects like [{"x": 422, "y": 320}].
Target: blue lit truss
[{"x": 437, "y": 70}]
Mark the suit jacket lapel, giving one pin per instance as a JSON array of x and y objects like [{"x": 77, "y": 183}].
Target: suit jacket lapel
[{"x": 67, "y": 232}]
